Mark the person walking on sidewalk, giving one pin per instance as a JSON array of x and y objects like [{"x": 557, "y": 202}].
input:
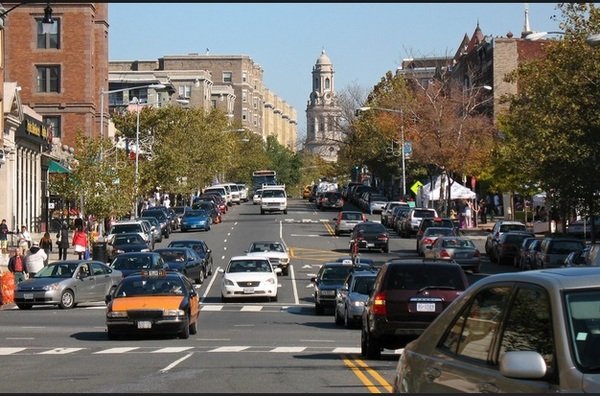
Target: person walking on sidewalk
[
  {"x": 80, "y": 242},
  {"x": 46, "y": 245},
  {"x": 3, "y": 237},
  {"x": 16, "y": 265},
  {"x": 34, "y": 261},
  {"x": 24, "y": 240},
  {"x": 62, "y": 240}
]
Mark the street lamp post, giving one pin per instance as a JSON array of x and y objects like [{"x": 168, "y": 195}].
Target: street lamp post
[{"x": 402, "y": 142}]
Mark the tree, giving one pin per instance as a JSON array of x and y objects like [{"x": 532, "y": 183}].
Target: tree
[{"x": 284, "y": 161}]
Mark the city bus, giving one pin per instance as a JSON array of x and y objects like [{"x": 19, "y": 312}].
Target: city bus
[{"x": 261, "y": 177}]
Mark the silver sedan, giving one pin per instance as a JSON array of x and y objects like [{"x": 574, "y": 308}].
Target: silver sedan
[
  {"x": 67, "y": 283},
  {"x": 520, "y": 332},
  {"x": 351, "y": 297},
  {"x": 460, "y": 249}
]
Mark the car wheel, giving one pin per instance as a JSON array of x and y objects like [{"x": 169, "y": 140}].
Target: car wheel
[
  {"x": 183, "y": 229},
  {"x": 201, "y": 277},
  {"x": 167, "y": 235},
  {"x": 318, "y": 309},
  {"x": 194, "y": 327},
  {"x": 336, "y": 317},
  {"x": 67, "y": 300},
  {"x": 369, "y": 347},
  {"x": 347, "y": 322},
  {"x": 337, "y": 233},
  {"x": 274, "y": 298},
  {"x": 285, "y": 211},
  {"x": 24, "y": 306},
  {"x": 224, "y": 299},
  {"x": 285, "y": 271},
  {"x": 262, "y": 212},
  {"x": 185, "y": 332},
  {"x": 386, "y": 249}
]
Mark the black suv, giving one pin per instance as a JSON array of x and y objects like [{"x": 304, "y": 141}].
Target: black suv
[
  {"x": 407, "y": 296},
  {"x": 163, "y": 218},
  {"x": 331, "y": 277}
]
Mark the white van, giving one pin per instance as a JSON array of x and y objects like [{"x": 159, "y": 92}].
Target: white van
[
  {"x": 235, "y": 192},
  {"x": 222, "y": 192},
  {"x": 273, "y": 199}
]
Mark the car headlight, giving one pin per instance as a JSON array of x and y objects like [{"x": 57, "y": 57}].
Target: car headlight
[
  {"x": 173, "y": 312},
  {"x": 284, "y": 260},
  {"x": 358, "y": 303},
  {"x": 270, "y": 281},
  {"x": 117, "y": 314},
  {"x": 52, "y": 286},
  {"x": 119, "y": 251},
  {"x": 228, "y": 282}
]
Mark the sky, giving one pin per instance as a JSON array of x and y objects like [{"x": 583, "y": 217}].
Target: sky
[{"x": 363, "y": 40}]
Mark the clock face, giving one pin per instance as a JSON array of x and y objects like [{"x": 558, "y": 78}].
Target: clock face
[{"x": 327, "y": 96}]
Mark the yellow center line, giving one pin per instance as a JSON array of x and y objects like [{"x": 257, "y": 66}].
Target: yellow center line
[
  {"x": 375, "y": 375},
  {"x": 329, "y": 229},
  {"x": 363, "y": 378}
]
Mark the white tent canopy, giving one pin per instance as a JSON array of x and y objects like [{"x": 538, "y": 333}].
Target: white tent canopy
[{"x": 457, "y": 191}]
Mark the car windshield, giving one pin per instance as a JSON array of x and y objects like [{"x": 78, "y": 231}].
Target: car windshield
[
  {"x": 273, "y": 194},
  {"x": 565, "y": 247},
  {"x": 351, "y": 216},
  {"x": 132, "y": 263},
  {"x": 415, "y": 277},
  {"x": 458, "y": 243},
  {"x": 515, "y": 239},
  {"x": 141, "y": 286},
  {"x": 125, "y": 228},
  {"x": 159, "y": 214},
  {"x": 124, "y": 240},
  {"x": 172, "y": 255},
  {"x": 266, "y": 247},
  {"x": 439, "y": 231},
  {"x": 335, "y": 273},
  {"x": 194, "y": 245},
  {"x": 151, "y": 220},
  {"x": 57, "y": 270},
  {"x": 195, "y": 213},
  {"x": 249, "y": 266},
  {"x": 371, "y": 227},
  {"x": 583, "y": 317},
  {"x": 512, "y": 227},
  {"x": 363, "y": 284}
]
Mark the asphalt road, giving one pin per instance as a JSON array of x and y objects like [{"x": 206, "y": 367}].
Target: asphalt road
[{"x": 247, "y": 346}]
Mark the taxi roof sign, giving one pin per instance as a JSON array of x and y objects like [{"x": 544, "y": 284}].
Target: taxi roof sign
[
  {"x": 346, "y": 261},
  {"x": 154, "y": 273}
]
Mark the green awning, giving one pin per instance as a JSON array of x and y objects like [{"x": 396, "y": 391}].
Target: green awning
[{"x": 56, "y": 167}]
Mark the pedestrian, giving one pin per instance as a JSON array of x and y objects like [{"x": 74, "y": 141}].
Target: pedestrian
[
  {"x": 483, "y": 211},
  {"x": 46, "y": 245},
  {"x": 62, "y": 240},
  {"x": 80, "y": 242},
  {"x": 24, "y": 240},
  {"x": 16, "y": 265},
  {"x": 35, "y": 259},
  {"x": 498, "y": 204},
  {"x": 4, "y": 236}
]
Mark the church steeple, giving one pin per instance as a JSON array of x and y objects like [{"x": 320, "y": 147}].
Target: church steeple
[{"x": 526, "y": 27}]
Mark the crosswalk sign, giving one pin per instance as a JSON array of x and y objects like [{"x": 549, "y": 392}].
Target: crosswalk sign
[{"x": 415, "y": 187}]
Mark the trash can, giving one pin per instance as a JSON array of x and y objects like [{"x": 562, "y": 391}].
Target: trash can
[{"x": 99, "y": 252}]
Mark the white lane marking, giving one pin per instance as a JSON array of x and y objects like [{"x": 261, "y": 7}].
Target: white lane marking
[
  {"x": 294, "y": 286},
  {"x": 20, "y": 338},
  {"x": 311, "y": 275},
  {"x": 289, "y": 349},
  {"x": 224, "y": 247},
  {"x": 225, "y": 241},
  {"x": 117, "y": 350},
  {"x": 229, "y": 234},
  {"x": 307, "y": 266},
  {"x": 10, "y": 351},
  {"x": 306, "y": 235},
  {"x": 229, "y": 349},
  {"x": 60, "y": 351},
  {"x": 211, "y": 308},
  {"x": 213, "y": 339},
  {"x": 232, "y": 228},
  {"x": 318, "y": 340},
  {"x": 399, "y": 351},
  {"x": 212, "y": 280},
  {"x": 171, "y": 349},
  {"x": 235, "y": 223},
  {"x": 33, "y": 327},
  {"x": 346, "y": 350},
  {"x": 94, "y": 308},
  {"x": 222, "y": 257},
  {"x": 243, "y": 325},
  {"x": 176, "y": 362},
  {"x": 251, "y": 308}
]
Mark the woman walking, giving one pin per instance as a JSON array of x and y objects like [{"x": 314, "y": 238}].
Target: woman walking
[
  {"x": 62, "y": 240},
  {"x": 46, "y": 245},
  {"x": 80, "y": 242}
]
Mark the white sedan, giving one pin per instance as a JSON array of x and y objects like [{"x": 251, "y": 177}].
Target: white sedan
[
  {"x": 275, "y": 251},
  {"x": 249, "y": 276}
]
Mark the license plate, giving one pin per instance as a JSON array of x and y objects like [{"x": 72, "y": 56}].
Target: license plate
[
  {"x": 28, "y": 296},
  {"x": 425, "y": 307},
  {"x": 370, "y": 245},
  {"x": 144, "y": 325},
  {"x": 461, "y": 255},
  {"x": 248, "y": 290}
]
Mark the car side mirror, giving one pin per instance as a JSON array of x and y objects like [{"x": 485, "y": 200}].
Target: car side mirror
[
  {"x": 277, "y": 270},
  {"x": 108, "y": 298},
  {"x": 221, "y": 270}
]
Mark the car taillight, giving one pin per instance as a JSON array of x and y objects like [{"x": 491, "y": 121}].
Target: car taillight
[
  {"x": 427, "y": 241},
  {"x": 378, "y": 305},
  {"x": 444, "y": 253},
  {"x": 420, "y": 233},
  {"x": 476, "y": 254},
  {"x": 382, "y": 237}
]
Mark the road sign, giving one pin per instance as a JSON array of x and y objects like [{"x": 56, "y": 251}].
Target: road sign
[
  {"x": 415, "y": 187},
  {"x": 407, "y": 149}
]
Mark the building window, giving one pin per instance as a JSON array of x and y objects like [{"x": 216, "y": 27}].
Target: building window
[
  {"x": 54, "y": 122},
  {"x": 244, "y": 77},
  {"x": 214, "y": 103},
  {"x": 185, "y": 91},
  {"x": 140, "y": 94},
  {"x": 51, "y": 39},
  {"x": 227, "y": 77},
  {"x": 115, "y": 99},
  {"x": 244, "y": 95},
  {"x": 255, "y": 120},
  {"x": 48, "y": 78},
  {"x": 244, "y": 114},
  {"x": 327, "y": 83},
  {"x": 256, "y": 103}
]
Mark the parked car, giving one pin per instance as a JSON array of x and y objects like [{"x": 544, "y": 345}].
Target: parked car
[
  {"x": 163, "y": 219},
  {"x": 578, "y": 258},
  {"x": 195, "y": 219},
  {"x": 521, "y": 258},
  {"x": 369, "y": 235},
  {"x": 125, "y": 243},
  {"x": 435, "y": 222},
  {"x": 67, "y": 283},
  {"x": 179, "y": 210},
  {"x": 153, "y": 301},
  {"x": 171, "y": 215},
  {"x": 351, "y": 297},
  {"x": 461, "y": 250},
  {"x": 201, "y": 249},
  {"x": 408, "y": 295},
  {"x": 131, "y": 263},
  {"x": 210, "y": 207},
  {"x": 331, "y": 277},
  {"x": 524, "y": 332},
  {"x": 346, "y": 220},
  {"x": 399, "y": 214},
  {"x": 583, "y": 228},
  {"x": 249, "y": 276},
  {"x": 411, "y": 223},
  {"x": 532, "y": 252},
  {"x": 430, "y": 235},
  {"x": 184, "y": 260},
  {"x": 386, "y": 213},
  {"x": 376, "y": 203},
  {"x": 499, "y": 228},
  {"x": 243, "y": 190},
  {"x": 257, "y": 196},
  {"x": 508, "y": 246},
  {"x": 592, "y": 258},
  {"x": 275, "y": 251},
  {"x": 127, "y": 227},
  {"x": 154, "y": 228},
  {"x": 555, "y": 249}
]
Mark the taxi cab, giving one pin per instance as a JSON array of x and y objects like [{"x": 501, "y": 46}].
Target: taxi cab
[{"x": 153, "y": 301}]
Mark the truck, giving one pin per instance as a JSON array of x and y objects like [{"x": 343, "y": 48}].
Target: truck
[
  {"x": 273, "y": 199},
  {"x": 261, "y": 177}
]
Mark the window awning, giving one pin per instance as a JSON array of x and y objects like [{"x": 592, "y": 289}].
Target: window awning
[{"x": 56, "y": 167}]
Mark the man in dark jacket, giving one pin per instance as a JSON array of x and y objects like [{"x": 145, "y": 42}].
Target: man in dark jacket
[
  {"x": 62, "y": 240},
  {"x": 16, "y": 265},
  {"x": 3, "y": 236}
]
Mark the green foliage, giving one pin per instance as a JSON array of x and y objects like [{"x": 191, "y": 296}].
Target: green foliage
[{"x": 284, "y": 161}]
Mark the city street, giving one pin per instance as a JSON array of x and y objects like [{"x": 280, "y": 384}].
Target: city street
[{"x": 253, "y": 346}]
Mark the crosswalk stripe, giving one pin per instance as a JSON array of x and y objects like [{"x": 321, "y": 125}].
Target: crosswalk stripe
[
  {"x": 10, "y": 351},
  {"x": 117, "y": 350},
  {"x": 230, "y": 349},
  {"x": 60, "y": 351},
  {"x": 211, "y": 307},
  {"x": 288, "y": 349},
  {"x": 251, "y": 308},
  {"x": 171, "y": 349},
  {"x": 346, "y": 350}
]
